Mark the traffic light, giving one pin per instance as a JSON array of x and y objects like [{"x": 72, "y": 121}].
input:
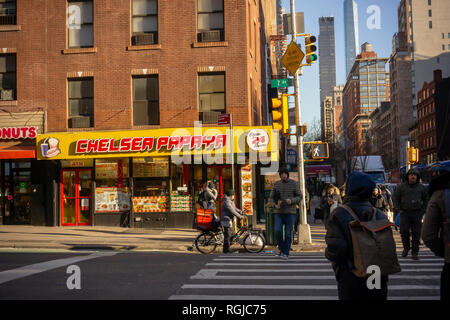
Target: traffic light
[
  {"x": 319, "y": 150},
  {"x": 280, "y": 114},
  {"x": 311, "y": 49},
  {"x": 413, "y": 155}
]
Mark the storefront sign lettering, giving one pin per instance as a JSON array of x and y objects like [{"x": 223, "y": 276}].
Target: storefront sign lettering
[
  {"x": 140, "y": 144},
  {"x": 18, "y": 133}
]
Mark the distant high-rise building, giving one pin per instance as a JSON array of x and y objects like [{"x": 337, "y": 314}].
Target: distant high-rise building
[
  {"x": 350, "y": 33},
  {"x": 327, "y": 57}
]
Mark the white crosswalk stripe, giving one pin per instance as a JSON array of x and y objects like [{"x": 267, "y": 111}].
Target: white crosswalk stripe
[{"x": 304, "y": 276}]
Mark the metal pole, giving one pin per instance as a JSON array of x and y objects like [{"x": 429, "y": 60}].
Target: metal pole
[
  {"x": 408, "y": 166},
  {"x": 304, "y": 230},
  {"x": 232, "y": 152}
]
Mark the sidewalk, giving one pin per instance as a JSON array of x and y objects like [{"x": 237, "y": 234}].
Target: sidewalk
[{"x": 117, "y": 238}]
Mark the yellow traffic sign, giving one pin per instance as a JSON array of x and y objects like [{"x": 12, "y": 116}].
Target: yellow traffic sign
[{"x": 292, "y": 58}]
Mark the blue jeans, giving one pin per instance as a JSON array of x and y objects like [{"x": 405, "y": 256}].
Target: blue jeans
[{"x": 288, "y": 221}]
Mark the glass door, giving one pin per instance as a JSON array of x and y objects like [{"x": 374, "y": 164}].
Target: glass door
[
  {"x": 221, "y": 176},
  {"x": 76, "y": 197}
]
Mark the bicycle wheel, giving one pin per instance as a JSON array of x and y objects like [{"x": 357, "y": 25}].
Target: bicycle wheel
[
  {"x": 254, "y": 242},
  {"x": 206, "y": 242}
]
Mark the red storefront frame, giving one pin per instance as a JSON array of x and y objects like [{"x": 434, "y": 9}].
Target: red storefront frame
[{"x": 76, "y": 197}]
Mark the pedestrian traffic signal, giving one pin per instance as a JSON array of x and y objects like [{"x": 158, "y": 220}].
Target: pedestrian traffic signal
[
  {"x": 280, "y": 114},
  {"x": 319, "y": 150},
  {"x": 413, "y": 155},
  {"x": 311, "y": 49}
]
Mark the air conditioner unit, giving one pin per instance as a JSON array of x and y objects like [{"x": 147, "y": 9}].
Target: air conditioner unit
[
  {"x": 210, "y": 117},
  {"x": 79, "y": 122},
  {"x": 209, "y": 36},
  {"x": 144, "y": 38},
  {"x": 7, "y": 19},
  {"x": 7, "y": 94}
]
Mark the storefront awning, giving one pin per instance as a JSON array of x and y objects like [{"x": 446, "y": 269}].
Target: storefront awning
[{"x": 17, "y": 152}]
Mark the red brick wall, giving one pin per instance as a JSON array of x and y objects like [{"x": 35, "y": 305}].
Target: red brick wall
[{"x": 177, "y": 60}]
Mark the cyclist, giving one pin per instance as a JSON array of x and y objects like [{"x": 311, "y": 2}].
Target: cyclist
[{"x": 229, "y": 210}]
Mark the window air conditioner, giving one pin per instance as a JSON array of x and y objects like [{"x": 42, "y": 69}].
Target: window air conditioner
[
  {"x": 79, "y": 122},
  {"x": 209, "y": 36},
  {"x": 144, "y": 38}
]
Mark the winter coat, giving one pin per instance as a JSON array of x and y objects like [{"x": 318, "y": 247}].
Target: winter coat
[
  {"x": 229, "y": 211},
  {"x": 284, "y": 190},
  {"x": 379, "y": 202},
  {"x": 410, "y": 198},
  {"x": 326, "y": 207},
  {"x": 338, "y": 238},
  {"x": 435, "y": 216},
  {"x": 210, "y": 197}
]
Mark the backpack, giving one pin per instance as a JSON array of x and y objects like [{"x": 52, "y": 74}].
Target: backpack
[
  {"x": 373, "y": 244},
  {"x": 446, "y": 226}
]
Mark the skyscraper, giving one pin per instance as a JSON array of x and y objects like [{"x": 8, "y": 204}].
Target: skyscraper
[
  {"x": 351, "y": 33},
  {"x": 327, "y": 57}
]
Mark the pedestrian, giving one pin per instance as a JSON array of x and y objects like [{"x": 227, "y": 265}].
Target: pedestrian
[
  {"x": 436, "y": 225},
  {"x": 378, "y": 201},
  {"x": 288, "y": 193},
  {"x": 330, "y": 200},
  {"x": 228, "y": 212},
  {"x": 210, "y": 196},
  {"x": 410, "y": 201},
  {"x": 339, "y": 251}
]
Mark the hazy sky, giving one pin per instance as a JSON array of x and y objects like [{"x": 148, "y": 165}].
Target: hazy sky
[{"x": 381, "y": 39}]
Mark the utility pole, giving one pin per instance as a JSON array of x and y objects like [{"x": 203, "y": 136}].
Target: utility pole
[{"x": 304, "y": 230}]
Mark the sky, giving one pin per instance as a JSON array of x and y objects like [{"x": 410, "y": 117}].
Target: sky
[{"x": 381, "y": 40}]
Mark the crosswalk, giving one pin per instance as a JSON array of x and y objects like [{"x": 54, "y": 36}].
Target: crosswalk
[{"x": 305, "y": 276}]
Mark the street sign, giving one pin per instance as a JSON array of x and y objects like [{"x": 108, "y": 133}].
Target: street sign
[
  {"x": 223, "y": 118},
  {"x": 292, "y": 58},
  {"x": 281, "y": 83},
  {"x": 291, "y": 156}
]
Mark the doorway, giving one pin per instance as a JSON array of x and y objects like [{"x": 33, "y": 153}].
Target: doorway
[
  {"x": 76, "y": 197},
  {"x": 221, "y": 176}
]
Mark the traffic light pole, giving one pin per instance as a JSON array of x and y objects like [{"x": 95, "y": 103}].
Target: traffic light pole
[{"x": 304, "y": 230}]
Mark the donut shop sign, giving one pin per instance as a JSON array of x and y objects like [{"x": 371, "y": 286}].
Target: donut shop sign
[{"x": 148, "y": 143}]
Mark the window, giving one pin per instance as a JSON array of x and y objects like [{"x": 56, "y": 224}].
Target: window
[
  {"x": 429, "y": 2},
  {"x": 449, "y": 46},
  {"x": 429, "y": 13},
  {"x": 448, "y": 36},
  {"x": 7, "y": 12},
  {"x": 7, "y": 77},
  {"x": 210, "y": 21},
  {"x": 80, "y": 24},
  {"x": 81, "y": 103},
  {"x": 430, "y": 24},
  {"x": 145, "y": 22},
  {"x": 211, "y": 88},
  {"x": 443, "y": 47},
  {"x": 145, "y": 100},
  {"x": 443, "y": 36}
]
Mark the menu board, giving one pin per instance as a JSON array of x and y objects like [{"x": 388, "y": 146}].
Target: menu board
[
  {"x": 246, "y": 189},
  {"x": 111, "y": 199},
  {"x": 180, "y": 203},
  {"x": 151, "y": 204},
  {"x": 143, "y": 168},
  {"x": 108, "y": 169}
]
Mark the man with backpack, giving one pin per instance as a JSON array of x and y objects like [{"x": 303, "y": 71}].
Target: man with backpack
[
  {"x": 436, "y": 225},
  {"x": 359, "y": 237},
  {"x": 410, "y": 201}
]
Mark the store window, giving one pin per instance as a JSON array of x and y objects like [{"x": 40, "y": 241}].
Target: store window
[
  {"x": 112, "y": 192},
  {"x": 7, "y": 76},
  {"x": 145, "y": 22},
  {"x": 80, "y": 24},
  {"x": 151, "y": 184},
  {"x": 180, "y": 197},
  {"x": 210, "y": 21},
  {"x": 145, "y": 100},
  {"x": 81, "y": 103},
  {"x": 211, "y": 88}
]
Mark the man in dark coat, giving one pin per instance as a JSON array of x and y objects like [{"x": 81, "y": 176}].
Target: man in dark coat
[
  {"x": 339, "y": 251},
  {"x": 433, "y": 231},
  {"x": 410, "y": 200},
  {"x": 228, "y": 212}
]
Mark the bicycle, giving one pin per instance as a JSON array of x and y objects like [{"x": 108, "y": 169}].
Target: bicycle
[{"x": 253, "y": 241}]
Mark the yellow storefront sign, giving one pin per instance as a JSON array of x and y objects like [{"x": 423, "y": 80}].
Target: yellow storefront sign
[{"x": 155, "y": 142}]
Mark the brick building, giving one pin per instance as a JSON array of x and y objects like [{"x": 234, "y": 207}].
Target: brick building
[{"x": 96, "y": 66}]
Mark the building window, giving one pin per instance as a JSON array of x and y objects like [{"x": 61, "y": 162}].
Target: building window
[
  {"x": 443, "y": 36},
  {"x": 146, "y": 100},
  {"x": 81, "y": 103},
  {"x": 430, "y": 24},
  {"x": 210, "y": 20},
  {"x": 7, "y": 12},
  {"x": 145, "y": 22},
  {"x": 211, "y": 87},
  {"x": 429, "y": 2},
  {"x": 430, "y": 13},
  {"x": 443, "y": 47},
  {"x": 7, "y": 77},
  {"x": 80, "y": 24}
]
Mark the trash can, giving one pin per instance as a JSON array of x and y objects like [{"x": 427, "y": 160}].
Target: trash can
[{"x": 270, "y": 226}]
